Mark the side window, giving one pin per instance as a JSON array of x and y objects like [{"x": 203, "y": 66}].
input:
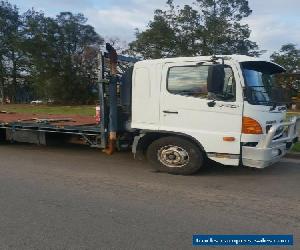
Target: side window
[
  {"x": 229, "y": 86},
  {"x": 192, "y": 81},
  {"x": 188, "y": 80}
]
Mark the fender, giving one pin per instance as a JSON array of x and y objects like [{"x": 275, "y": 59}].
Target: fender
[{"x": 146, "y": 137}]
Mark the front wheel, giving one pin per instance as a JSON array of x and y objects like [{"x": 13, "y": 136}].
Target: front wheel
[{"x": 175, "y": 155}]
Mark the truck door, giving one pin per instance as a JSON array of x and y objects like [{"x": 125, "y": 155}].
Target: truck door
[{"x": 187, "y": 109}]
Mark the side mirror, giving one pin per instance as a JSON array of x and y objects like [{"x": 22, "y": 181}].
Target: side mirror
[{"x": 216, "y": 79}]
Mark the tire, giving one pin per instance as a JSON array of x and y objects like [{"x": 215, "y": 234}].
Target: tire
[{"x": 175, "y": 155}]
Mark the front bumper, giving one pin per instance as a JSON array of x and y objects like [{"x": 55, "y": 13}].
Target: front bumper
[{"x": 269, "y": 151}]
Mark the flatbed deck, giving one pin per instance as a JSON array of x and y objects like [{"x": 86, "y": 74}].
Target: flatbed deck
[
  {"x": 74, "y": 124},
  {"x": 60, "y": 120},
  {"x": 37, "y": 128}
]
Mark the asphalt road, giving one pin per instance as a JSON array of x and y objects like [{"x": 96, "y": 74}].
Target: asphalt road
[{"x": 78, "y": 198}]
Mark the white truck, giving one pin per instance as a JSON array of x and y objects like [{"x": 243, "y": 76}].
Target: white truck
[
  {"x": 179, "y": 112},
  {"x": 190, "y": 109}
]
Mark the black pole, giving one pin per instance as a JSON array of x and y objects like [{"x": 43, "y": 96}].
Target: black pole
[{"x": 103, "y": 130}]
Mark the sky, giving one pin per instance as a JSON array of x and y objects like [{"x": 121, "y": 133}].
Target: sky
[{"x": 273, "y": 22}]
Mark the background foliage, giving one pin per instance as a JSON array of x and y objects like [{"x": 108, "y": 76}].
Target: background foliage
[
  {"x": 209, "y": 27},
  {"x": 56, "y": 58},
  {"x": 43, "y": 57}
]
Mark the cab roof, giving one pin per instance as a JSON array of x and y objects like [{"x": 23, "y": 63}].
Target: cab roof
[{"x": 236, "y": 58}]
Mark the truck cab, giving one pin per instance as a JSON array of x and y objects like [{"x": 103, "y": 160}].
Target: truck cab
[{"x": 187, "y": 110}]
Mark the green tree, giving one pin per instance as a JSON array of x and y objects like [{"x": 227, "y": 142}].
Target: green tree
[
  {"x": 12, "y": 57},
  {"x": 187, "y": 27},
  {"x": 171, "y": 33},
  {"x": 208, "y": 27},
  {"x": 75, "y": 38},
  {"x": 222, "y": 31},
  {"x": 61, "y": 69},
  {"x": 157, "y": 41},
  {"x": 41, "y": 44},
  {"x": 288, "y": 56}
]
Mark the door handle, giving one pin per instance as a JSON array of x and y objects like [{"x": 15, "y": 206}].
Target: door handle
[
  {"x": 170, "y": 112},
  {"x": 211, "y": 103}
]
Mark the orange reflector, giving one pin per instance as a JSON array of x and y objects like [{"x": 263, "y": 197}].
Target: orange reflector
[
  {"x": 251, "y": 126},
  {"x": 228, "y": 139}
]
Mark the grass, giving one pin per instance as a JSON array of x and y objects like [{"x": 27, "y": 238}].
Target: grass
[
  {"x": 296, "y": 147},
  {"x": 49, "y": 109},
  {"x": 293, "y": 113}
]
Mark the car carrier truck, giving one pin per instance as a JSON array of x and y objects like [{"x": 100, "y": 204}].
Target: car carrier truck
[{"x": 179, "y": 112}]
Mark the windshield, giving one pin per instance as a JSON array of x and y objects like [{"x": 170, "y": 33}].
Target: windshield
[
  {"x": 260, "y": 82},
  {"x": 258, "y": 85}
]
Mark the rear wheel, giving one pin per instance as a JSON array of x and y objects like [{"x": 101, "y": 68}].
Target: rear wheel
[{"x": 175, "y": 155}]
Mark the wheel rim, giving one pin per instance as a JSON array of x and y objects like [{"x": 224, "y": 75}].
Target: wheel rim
[{"x": 173, "y": 156}]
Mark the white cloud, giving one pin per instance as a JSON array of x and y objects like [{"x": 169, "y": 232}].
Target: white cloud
[
  {"x": 272, "y": 32},
  {"x": 53, "y": 7},
  {"x": 122, "y": 18},
  {"x": 275, "y": 7},
  {"x": 117, "y": 21},
  {"x": 274, "y": 23}
]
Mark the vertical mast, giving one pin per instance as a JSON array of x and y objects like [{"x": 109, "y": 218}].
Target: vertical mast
[
  {"x": 101, "y": 98},
  {"x": 113, "y": 113}
]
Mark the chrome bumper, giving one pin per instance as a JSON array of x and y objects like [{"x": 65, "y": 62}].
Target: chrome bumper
[{"x": 270, "y": 150}]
